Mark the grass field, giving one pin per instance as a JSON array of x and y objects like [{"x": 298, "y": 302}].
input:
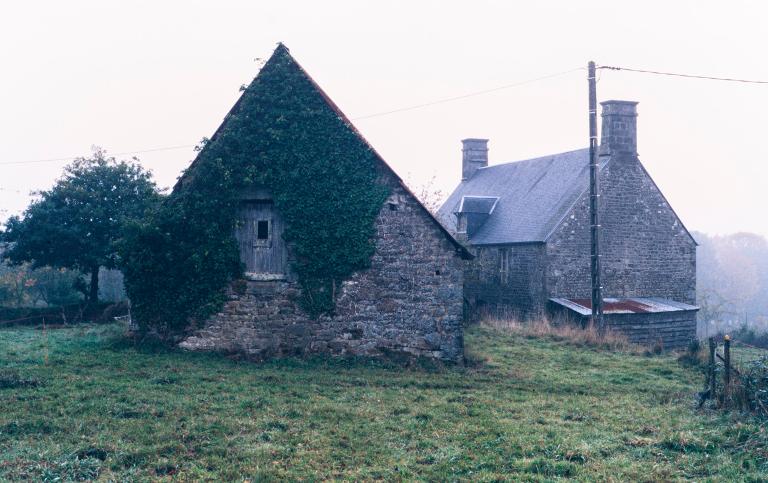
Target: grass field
[{"x": 82, "y": 403}]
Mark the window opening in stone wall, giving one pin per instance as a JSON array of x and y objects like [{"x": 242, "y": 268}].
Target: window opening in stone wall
[
  {"x": 262, "y": 230},
  {"x": 504, "y": 265}
]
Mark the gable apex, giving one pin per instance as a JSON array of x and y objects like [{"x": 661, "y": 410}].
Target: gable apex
[{"x": 281, "y": 58}]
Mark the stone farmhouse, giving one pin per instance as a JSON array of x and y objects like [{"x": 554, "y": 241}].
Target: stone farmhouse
[
  {"x": 409, "y": 300},
  {"x": 527, "y": 223}
]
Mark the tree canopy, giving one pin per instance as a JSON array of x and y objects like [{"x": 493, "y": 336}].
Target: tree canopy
[{"x": 78, "y": 223}]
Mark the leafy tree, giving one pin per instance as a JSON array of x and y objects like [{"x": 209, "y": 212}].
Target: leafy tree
[{"x": 77, "y": 223}]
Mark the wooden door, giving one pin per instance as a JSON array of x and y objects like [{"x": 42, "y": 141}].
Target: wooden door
[{"x": 259, "y": 233}]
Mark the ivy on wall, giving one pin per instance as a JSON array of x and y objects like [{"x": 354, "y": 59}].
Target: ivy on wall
[{"x": 284, "y": 135}]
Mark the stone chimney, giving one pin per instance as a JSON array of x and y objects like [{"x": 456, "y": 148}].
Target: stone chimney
[
  {"x": 619, "y": 131},
  {"x": 474, "y": 156}
]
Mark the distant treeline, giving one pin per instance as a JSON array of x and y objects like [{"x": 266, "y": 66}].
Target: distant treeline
[{"x": 732, "y": 281}]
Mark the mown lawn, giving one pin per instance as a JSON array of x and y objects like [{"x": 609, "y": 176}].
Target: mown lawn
[{"x": 83, "y": 403}]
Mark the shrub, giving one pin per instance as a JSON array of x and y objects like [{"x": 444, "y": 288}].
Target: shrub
[{"x": 749, "y": 387}]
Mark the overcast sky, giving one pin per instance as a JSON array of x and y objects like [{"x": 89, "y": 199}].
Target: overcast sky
[{"x": 141, "y": 75}]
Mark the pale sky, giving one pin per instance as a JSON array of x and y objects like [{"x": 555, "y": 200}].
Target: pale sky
[{"x": 140, "y": 75}]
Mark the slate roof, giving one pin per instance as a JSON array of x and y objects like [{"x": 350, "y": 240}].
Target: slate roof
[{"x": 533, "y": 196}]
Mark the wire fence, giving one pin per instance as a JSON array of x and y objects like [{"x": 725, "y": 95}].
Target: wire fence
[
  {"x": 736, "y": 376},
  {"x": 67, "y": 314}
]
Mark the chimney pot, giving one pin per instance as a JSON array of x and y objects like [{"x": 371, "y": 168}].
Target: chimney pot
[
  {"x": 619, "y": 130},
  {"x": 474, "y": 156}
]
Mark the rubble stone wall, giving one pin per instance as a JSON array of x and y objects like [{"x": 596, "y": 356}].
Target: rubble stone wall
[{"x": 409, "y": 301}]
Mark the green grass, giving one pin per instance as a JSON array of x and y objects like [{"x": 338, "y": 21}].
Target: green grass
[{"x": 533, "y": 409}]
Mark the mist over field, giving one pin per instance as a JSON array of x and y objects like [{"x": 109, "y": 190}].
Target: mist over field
[{"x": 732, "y": 281}]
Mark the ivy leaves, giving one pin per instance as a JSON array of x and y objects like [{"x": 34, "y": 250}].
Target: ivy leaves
[{"x": 282, "y": 135}]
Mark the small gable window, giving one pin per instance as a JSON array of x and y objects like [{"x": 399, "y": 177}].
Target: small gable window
[{"x": 262, "y": 230}]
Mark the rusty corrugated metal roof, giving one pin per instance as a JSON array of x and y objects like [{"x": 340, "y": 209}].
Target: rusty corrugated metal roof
[{"x": 629, "y": 305}]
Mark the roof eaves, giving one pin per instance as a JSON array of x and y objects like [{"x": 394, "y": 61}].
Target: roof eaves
[{"x": 507, "y": 243}]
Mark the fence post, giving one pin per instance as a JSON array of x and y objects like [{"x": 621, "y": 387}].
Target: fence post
[
  {"x": 712, "y": 364},
  {"x": 727, "y": 369},
  {"x": 45, "y": 342}
]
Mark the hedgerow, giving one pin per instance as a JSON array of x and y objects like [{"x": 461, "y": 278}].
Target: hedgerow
[{"x": 283, "y": 135}]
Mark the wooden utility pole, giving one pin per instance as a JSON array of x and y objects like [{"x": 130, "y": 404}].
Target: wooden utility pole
[{"x": 594, "y": 198}]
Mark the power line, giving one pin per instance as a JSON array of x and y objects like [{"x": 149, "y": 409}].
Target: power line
[
  {"x": 691, "y": 76},
  {"x": 402, "y": 109},
  {"x": 464, "y": 96},
  {"x": 67, "y": 158},
  {"x": 438, "y": 101}
]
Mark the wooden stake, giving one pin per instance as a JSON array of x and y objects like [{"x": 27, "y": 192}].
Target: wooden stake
[
  {"x": 712, "y": 364},
  {"x": 727, "y": 369}
]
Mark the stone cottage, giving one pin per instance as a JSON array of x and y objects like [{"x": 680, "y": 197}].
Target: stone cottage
[
  {"x": 408, "y": 301},
  {"x": 527, "y": 223}
]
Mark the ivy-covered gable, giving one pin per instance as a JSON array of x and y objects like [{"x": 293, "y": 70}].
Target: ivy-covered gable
[{"x": 283, "y": 133}]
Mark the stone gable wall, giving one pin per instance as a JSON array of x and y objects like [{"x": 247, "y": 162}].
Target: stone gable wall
[
  {"x": 646, "y": 252},
  {"x": 408, "y": 301}
]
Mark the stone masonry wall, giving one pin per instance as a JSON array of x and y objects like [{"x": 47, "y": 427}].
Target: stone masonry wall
[
  {"x": 646, "y": 252},
  {"x": 409, "y": 301},
  {"x": 518, "y": 293}
]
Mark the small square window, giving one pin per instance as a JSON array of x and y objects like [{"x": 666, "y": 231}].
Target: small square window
[{"x": 262, "y": 230}]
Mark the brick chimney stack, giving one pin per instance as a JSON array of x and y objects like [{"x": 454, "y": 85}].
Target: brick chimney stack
[
  {"x": 619, "y": 131},
  {"x": 474, "y": 156}
]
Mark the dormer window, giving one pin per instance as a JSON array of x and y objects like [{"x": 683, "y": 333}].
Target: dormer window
[{"x": 472, "y": 212}]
